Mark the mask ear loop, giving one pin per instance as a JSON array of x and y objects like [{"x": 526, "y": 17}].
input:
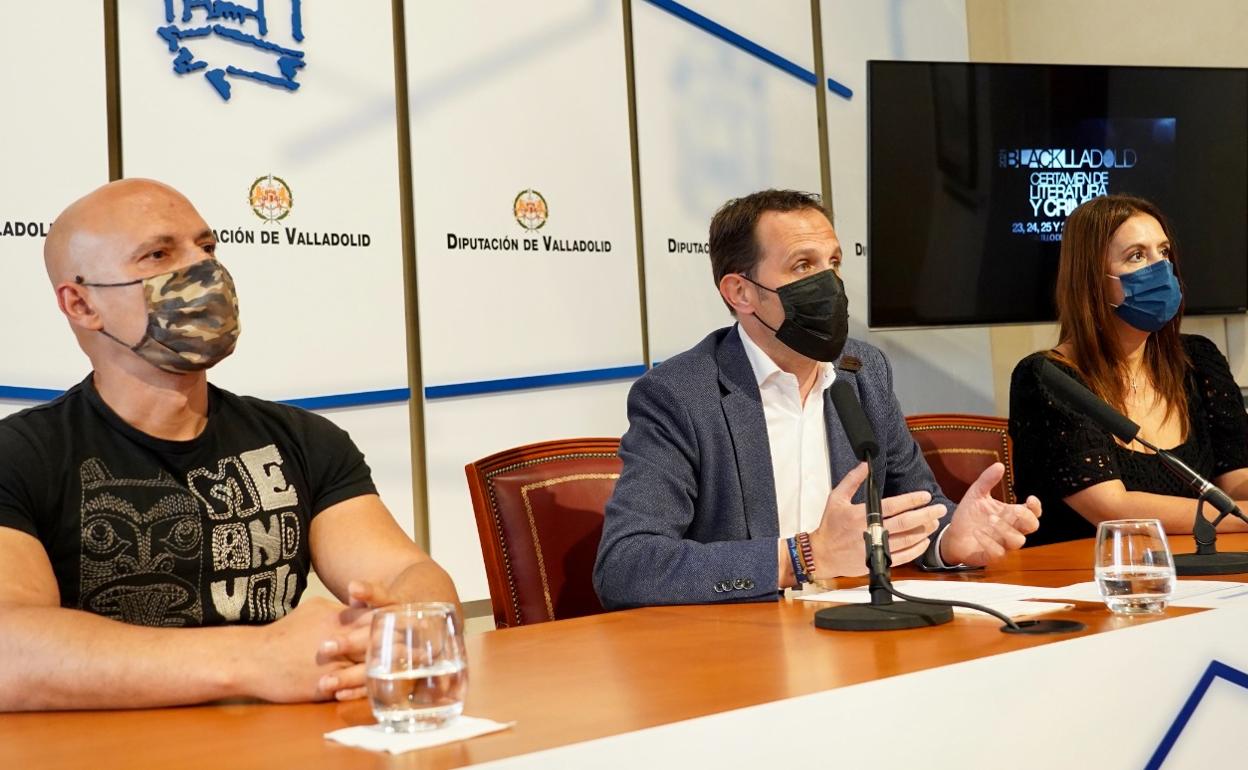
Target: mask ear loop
[
  {"x": 757, "y": 317},
  {"x": 133, "y": 348},
  {"x": 78, "y": 279},
  {"x": 1119, "y": 280},
  {"x": 756, "y": 283}
]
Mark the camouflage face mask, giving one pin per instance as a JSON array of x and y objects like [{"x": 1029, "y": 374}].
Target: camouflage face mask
[{"x": 192, "y": 317}]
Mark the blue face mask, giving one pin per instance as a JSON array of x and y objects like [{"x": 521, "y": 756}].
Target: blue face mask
[{"x": 1150, "y": 296}]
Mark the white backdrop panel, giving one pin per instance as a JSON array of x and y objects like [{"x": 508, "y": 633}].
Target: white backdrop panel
[
  {"x": 55, "y": 139},
  {"x": 780, "y": 26},
  {"x": 506, "y": 98},
  {"x": 381, "y": 433},
  {"x": 713, "y": 123},
  {"x": 318, "y": 319},
  {"x": 461, "y": 430},
  {"x": 944, "y": 370}
]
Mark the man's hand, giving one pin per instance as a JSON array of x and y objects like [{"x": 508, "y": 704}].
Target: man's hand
[
  {"x": 293, "y": 665},
  {"x": 363, "y": 556},
  {"x": 984, "y": 528},
  {"x": 837, "y": 543},
  {"x": 351, "y": 646}
]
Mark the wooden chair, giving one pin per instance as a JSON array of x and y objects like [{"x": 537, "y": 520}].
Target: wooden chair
[
  {"x": 539, "y": 511},
  {"x": 958, "y": 447}
]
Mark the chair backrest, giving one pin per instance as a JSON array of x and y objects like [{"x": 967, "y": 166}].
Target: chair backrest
[
  {"x": 539, "y": 511},
  {"x": 958, "y": 447}
]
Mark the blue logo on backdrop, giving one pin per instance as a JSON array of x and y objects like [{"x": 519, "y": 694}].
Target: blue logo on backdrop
[
  {"x": 1216, "y": 670},
  {"x": 714, "y": 88},
  {"x": 232, "y": 22}
]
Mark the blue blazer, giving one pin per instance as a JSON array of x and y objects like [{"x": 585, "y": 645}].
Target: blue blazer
[{"x": 693, "y": 517}]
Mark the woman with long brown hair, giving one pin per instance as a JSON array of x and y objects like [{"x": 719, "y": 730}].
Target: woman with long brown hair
[{"x": 1120, "y": 303}]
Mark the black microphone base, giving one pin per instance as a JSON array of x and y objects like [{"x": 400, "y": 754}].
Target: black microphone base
[
  {"x": 1210, "y": 564},
  {"x": 882, "y": 617}
]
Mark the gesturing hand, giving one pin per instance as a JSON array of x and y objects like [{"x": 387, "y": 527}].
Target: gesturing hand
[
  {"x": 984, "y": 528},
  {"x": 837, "y": 543}
]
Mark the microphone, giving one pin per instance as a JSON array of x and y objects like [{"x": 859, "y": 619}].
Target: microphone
[
  {"x": 862, "y": 440},
  {"x": 883, "y": 613},
  {"x": 857, "y": 427},
  {"x": 1087, "y": 403},
  {"x": 1205, "y": 489},
  {"x": 1206, "y": 560}
]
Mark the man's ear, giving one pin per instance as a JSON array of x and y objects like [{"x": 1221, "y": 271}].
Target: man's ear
[
  {"x": 73, "y": 302},
  {"x": 738, "y": 293}
]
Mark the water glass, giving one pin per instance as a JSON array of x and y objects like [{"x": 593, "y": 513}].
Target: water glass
[
  {"x": 1134, "y": 568},
  {"x": 417, "y": 672}
]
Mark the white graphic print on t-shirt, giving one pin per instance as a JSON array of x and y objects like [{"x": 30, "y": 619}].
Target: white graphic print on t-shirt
[
  {"x": 255, "y": 529},
  {"x": 141, "y": 549},
  {"x": 142, "y": 542}
]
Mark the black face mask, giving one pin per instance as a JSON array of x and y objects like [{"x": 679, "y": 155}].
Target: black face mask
[{"x": 816, "y": 315}]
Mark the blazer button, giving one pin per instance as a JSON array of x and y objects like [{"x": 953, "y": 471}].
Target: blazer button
[
  {"x": 749, "y": 583},
  {"x": 738, "y": 584}
]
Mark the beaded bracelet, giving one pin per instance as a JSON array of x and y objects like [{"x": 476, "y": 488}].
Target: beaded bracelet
[
  {"x": 807, "y": 555},
  {"x": 796, "y": 560}
]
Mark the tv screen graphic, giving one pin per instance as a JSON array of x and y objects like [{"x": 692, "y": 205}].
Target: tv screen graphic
[{"x": 973, "y": 169}]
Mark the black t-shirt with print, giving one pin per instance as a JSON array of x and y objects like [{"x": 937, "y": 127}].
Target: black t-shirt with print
[{"x": 175, "y": 533}]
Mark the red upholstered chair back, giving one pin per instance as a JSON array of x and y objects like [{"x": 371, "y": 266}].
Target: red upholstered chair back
[
  {"x": 958, "y": 447},
  {"x": 539, "y": 511}
]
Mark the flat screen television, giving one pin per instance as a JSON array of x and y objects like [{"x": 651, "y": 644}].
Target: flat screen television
[{"x": 972, "y": 169}]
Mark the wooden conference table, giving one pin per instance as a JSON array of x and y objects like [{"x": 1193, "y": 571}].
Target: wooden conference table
[{"x": 575, "y": 680}]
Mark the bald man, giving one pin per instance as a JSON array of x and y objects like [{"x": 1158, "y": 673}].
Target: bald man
[{"x": 156, "y": 532}]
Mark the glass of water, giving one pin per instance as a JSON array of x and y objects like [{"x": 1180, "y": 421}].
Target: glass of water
[
  {"x": 417, "y": 672},
  {"x": 1134, "y": 568}
]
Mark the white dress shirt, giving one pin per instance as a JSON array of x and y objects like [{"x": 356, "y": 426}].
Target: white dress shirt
[{"x": 798, "y": 438}]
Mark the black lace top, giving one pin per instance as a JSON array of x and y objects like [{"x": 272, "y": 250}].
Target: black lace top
[{"x": 1058, "y": 452}]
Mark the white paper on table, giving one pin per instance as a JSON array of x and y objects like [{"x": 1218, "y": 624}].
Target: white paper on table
[
  {"x": 1005, "y": 598},
  {"x": 1224, "y": 597},
  {"x": 374, "y": 738},
  {"x": 1184, "y": 590}
]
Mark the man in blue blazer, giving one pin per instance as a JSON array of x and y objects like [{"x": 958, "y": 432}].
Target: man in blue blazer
[{"x": 727, "y": 488}]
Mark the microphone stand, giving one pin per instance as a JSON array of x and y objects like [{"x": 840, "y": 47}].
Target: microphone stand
[
  {"x": 882, "y": 614},
  {"x": 1207, "y": 560}
]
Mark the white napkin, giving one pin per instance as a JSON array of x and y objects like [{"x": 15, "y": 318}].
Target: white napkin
[{"x": 374, "y": 738}]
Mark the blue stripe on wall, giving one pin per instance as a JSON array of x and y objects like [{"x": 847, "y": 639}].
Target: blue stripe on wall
[
  {"x": 749, "y": 46},
  {"x": 536, "y": 381},
  {"x": 365, "y": 398},
  {"x": 400, "y": 395},
  {"x": 14, "y": 393}
]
